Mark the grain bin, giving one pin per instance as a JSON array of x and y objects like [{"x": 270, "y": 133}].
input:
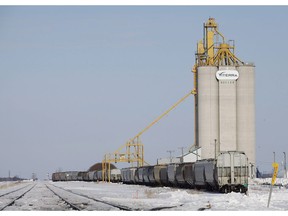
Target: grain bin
[
  {"x": 208, "y": 110},
  {"x": 246, "y": 113}
]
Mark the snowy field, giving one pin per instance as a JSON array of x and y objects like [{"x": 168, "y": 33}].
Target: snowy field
[
  {"x": 147, "y": 199},
  {"x": 172, "y": 199}
]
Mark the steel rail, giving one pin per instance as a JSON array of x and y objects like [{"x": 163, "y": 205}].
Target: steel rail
[
  {"x": 13, "y": 191},
  {"x": 18, "y": 197},
  {"x": 124, "y": 208},
  {"x": 74, "y": 207}
]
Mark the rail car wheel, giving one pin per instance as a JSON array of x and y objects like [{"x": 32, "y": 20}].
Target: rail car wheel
[
  {"x": 243, "y": 189},
  {"x": 226, "y": 189}
]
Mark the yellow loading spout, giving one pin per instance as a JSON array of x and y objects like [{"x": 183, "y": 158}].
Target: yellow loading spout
[{"x": 213, "y": 53}]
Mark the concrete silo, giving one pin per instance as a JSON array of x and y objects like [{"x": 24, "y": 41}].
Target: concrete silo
[
  {"x": 227, "y": 108},
  {"x": 224, "y": 98},
  {"x": 208, "y": 110},
  {"x": 246, "y": 111}
]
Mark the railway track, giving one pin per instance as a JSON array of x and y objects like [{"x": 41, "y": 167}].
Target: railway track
[
  {"x": 1, "y": 195},
  {"x": 45, "y": 196},
  {"x": 54, "y": 201},
  {"x": 74, "y": 207},
  {"x": 119, "y": 207},
  {"x": 17, "y": 197}
]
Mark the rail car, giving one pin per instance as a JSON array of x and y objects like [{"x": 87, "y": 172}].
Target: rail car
[
  {"x": 115, "y": 175},
  {"x": 229, "y": 172}
]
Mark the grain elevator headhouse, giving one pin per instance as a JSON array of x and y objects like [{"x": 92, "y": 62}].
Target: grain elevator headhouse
[{"x": 224, "y": 98}]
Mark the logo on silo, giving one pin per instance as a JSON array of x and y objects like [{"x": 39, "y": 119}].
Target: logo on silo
[{"x": 227, "y": 75}]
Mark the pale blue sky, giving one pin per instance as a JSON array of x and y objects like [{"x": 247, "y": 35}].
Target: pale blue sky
[{"x": 78, "y": 82}]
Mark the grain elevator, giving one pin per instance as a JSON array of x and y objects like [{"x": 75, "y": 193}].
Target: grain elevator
[{"x": 224, "y": 98}]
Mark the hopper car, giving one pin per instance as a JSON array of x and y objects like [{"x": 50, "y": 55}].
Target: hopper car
[{"x": 227, "y": 173}]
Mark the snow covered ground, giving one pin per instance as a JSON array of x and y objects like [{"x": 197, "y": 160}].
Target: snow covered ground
[
  {"x": 161, "y": 198},
  {"x": 149, "y": 198}
]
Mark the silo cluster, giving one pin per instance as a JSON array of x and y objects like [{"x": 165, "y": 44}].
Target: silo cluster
[
  {"x": 226, "y": 110},
  {"x": 224, "y": 103}
]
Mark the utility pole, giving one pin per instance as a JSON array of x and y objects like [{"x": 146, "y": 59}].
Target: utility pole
[
  {"x": 274, "y": 157},
  {"x": 285, "y": 169},
  {"x": 182, "y": 153},
  {"x": 215, "y": 148},
  {"x": 170, "y": 151}
]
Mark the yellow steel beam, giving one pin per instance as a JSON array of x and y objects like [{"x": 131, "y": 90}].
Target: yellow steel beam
[
  {"x": 213, "y": 55},
  {"x": 210, "y": 47},
  {"x": 161, "y": 116},
  {"x": 138, "y": 154},
  {"x": 225, "y": 57}
]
